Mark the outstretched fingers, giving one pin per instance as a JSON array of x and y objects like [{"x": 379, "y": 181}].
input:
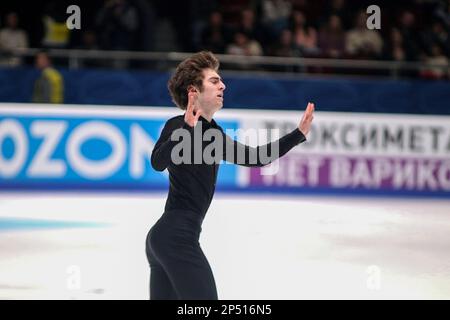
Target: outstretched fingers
[
  {"x": 310, "y": 109},
  {"x": 305, "y": 123},
  {"x": 309, "y": 112},
  {"x": 192, "y": 115},
  {"x": 198, "y": 113},
  {"x": 190, "y": 105}
]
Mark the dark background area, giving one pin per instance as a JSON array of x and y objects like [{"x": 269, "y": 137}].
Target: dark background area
[{"x": 181, "y": 13}]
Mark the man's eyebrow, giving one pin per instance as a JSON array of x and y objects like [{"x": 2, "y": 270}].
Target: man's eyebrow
[{"x": 215, "y": 78}]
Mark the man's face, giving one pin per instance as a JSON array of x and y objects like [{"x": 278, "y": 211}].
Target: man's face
[
  {"x": 211, "y": 98},
  {"x": 42, "y": 61},
  {"x": 12, "y": 20}
]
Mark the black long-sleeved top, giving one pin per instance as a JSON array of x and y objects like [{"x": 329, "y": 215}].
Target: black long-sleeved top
[{"x": 192, "y": 185}]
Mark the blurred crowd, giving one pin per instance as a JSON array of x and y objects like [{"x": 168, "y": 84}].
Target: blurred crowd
[{"x": 410, "y": 30}]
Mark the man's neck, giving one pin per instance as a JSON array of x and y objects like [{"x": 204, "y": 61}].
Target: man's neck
[{"x": 208, "y": 116}]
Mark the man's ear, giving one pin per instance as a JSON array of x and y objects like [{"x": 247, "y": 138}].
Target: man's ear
[{"x": 192, "y": 88}]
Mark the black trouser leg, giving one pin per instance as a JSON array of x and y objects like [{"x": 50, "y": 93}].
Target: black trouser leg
[{"x": 178, "y": 266}]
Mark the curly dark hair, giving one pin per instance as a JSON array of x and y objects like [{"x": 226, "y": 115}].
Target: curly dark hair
[{"x": 190, "y": 73}]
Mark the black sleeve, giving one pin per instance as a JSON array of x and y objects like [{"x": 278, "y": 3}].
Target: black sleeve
[
  {"x": 238, "y": 153},
  {"x": 161, "y": 153}
]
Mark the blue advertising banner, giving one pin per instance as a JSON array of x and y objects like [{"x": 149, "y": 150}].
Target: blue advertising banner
[
  {"x": 57, "y": 149},
  {"x": 108, "y": 148}
]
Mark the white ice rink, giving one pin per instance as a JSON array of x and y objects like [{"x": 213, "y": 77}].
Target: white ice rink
[{"x": 259, "y": 247}]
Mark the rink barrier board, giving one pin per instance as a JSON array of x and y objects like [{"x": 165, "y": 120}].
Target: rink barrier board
[{"x": 107, "y": 148}]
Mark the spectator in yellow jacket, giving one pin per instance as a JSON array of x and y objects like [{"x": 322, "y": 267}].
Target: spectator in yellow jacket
[{"x": 49, "y": 87}]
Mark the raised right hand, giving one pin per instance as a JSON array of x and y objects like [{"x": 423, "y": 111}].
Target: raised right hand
[{"x": 192, "y": 114}]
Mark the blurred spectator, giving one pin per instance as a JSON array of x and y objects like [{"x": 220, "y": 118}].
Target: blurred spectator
[
  {"x": 201, "y": 12},
  {"x": 393, "y": 48},
  {"x": 232, "y": 10},
  {"x": 337, "y": 8},
  {"x": 117, "y": 23},
  {"x": 409, "y": 34},
  {"x": 216, "y": 35},
  {"x": 146, "y": 28},
  {"x": 89, "y": 42},
  {"x": 249, "y": 26},
  {"x": 275, "y": 15},
  {"x": 436, "y": 65},
  {"x": 242, "y": 45},
  {"x": 362, "y": 42},
  {"x": 443, "y": 13},
  {"x": 49, "y": 87},
  {"x": 305, "y": 36},
  {"x": 285, "y": 46},
  {"x": 12, "y": 38},
  {"x": 332, "y": 38},
  {"x": 304, "y": 6},
  {"x": 437, "y": 34},
  {"x": 56, "y": 33}
]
